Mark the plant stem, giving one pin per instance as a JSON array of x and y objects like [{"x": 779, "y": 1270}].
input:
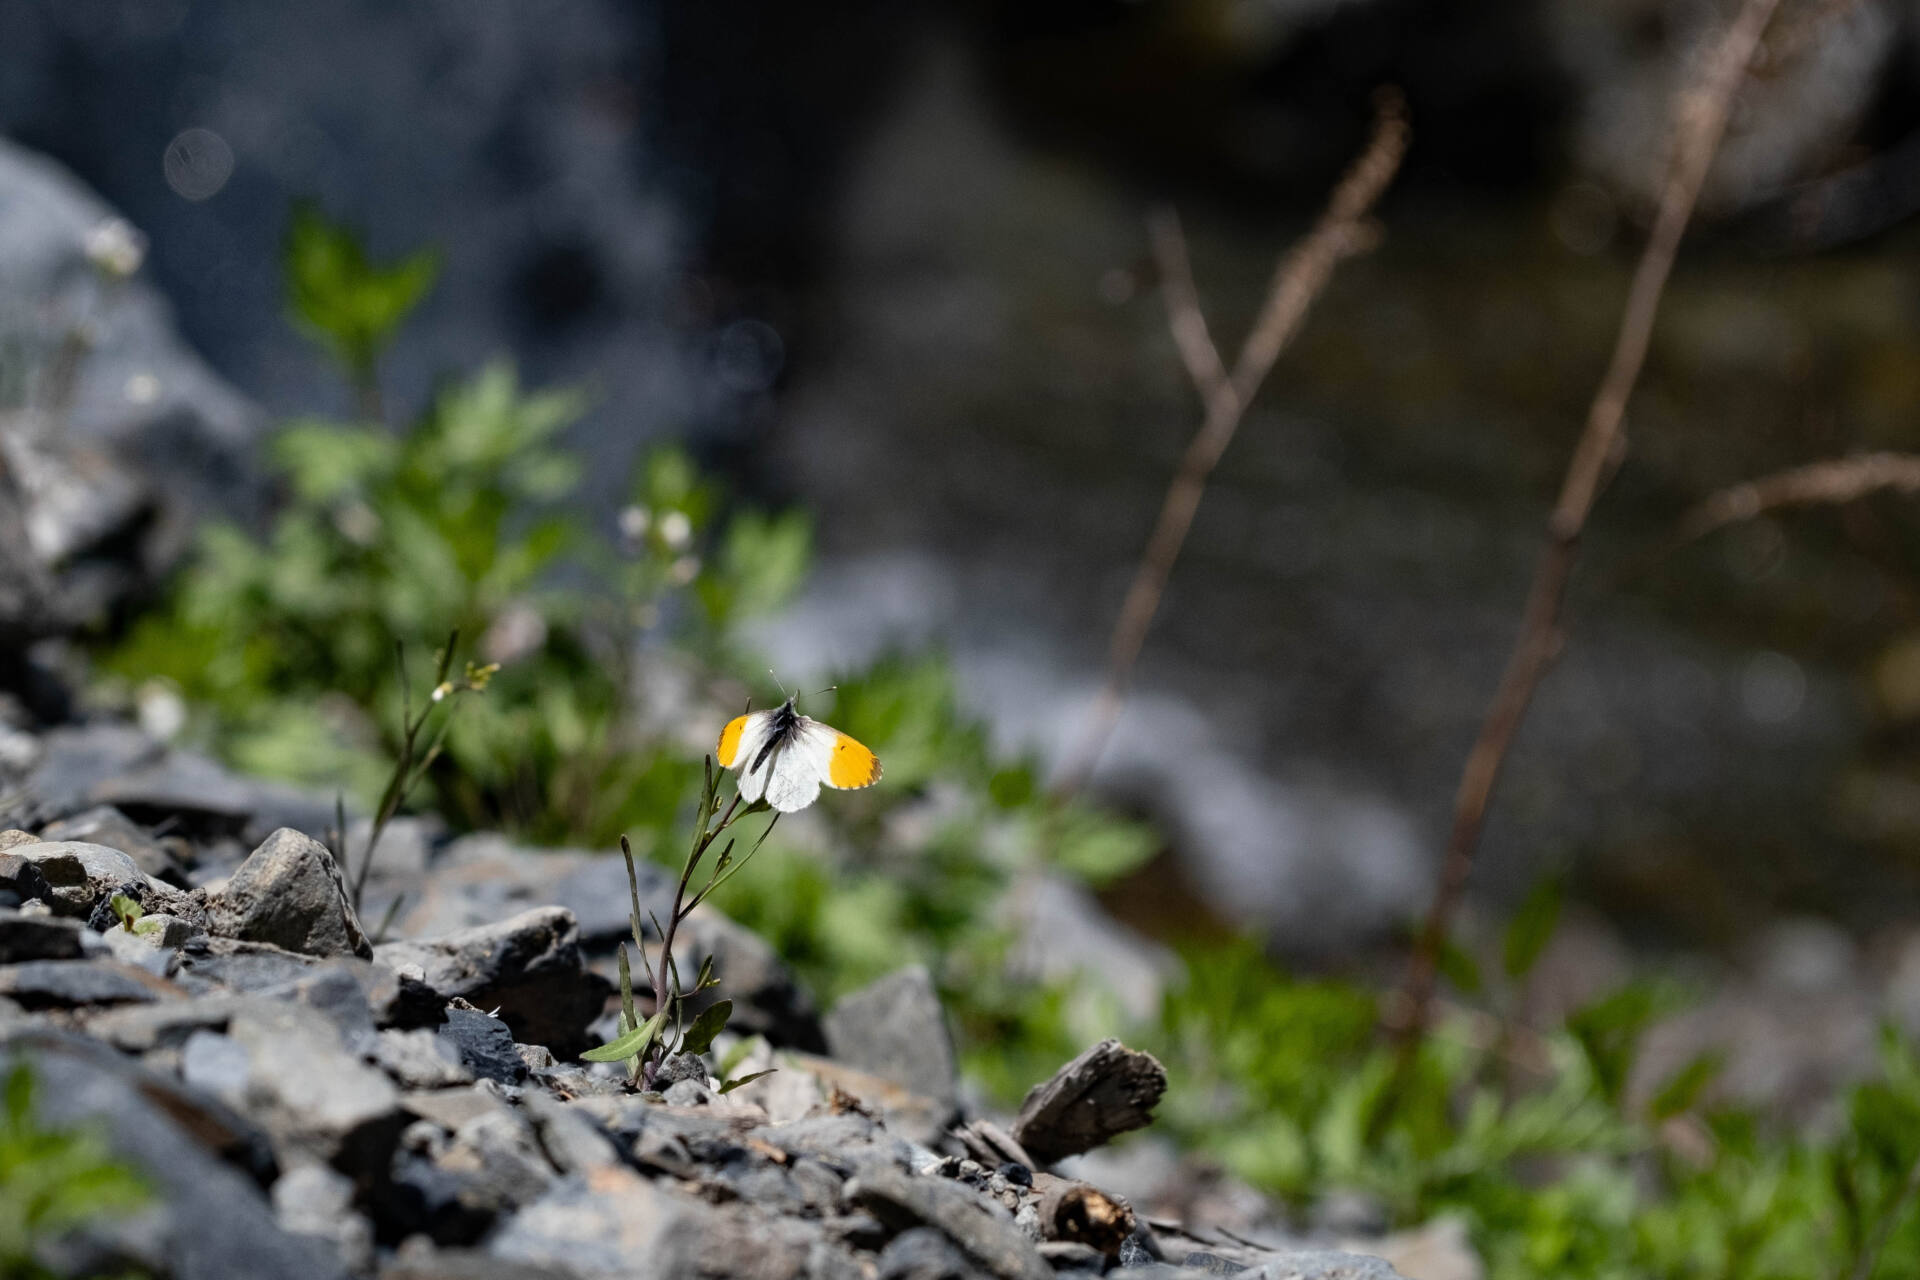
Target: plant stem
[{"x": 1702, "y": 119}]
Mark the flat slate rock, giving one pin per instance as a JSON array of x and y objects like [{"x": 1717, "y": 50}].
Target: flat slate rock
[
  {"x": 68, "y": 984},
  {"x": 38, "y": 937},
  {"x": 990, "y": 1239}
]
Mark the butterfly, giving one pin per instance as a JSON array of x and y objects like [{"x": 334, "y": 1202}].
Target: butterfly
[{"x": 784, "y": 757}]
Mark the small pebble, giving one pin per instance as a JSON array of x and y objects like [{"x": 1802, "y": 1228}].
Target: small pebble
[{"x": 1016, "y": 1173}]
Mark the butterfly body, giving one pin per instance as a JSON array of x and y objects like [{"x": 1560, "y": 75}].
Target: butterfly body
[{"x": 785, "y": 758}]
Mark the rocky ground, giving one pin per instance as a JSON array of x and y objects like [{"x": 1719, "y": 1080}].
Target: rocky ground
[{"x": 308, "y": 1100}]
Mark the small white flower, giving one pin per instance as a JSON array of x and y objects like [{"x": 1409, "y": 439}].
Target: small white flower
[
  {"x": 115, "y": 247},
  {"x": 675, "y": 529},
  {"x": 142, "y": 388},
  {"x": 634, "y": 521}
]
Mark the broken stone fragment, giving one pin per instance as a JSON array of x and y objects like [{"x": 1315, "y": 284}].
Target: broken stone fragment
[
  {"x": 310, "y": 1093},
  {"x": 70, "y": 984},
  {"x": 289, "y": 893},
  {"x": 528, "y": 967}
]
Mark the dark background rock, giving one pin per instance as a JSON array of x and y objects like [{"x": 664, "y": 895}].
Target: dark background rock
[{"x": 896, "y": 1027}]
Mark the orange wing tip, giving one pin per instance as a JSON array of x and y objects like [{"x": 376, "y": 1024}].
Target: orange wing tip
[
  {"x": 730, "y": 742},
  {"x": 852, "y": 765}
]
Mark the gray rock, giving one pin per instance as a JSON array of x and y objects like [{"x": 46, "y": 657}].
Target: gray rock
[
  {"x": 145, "y": 1028},
  {"x": 529, "y": 967},
  {"x": 106, "y": 825},
  {"x": 420, "y": 1059},
  {"x": 155, "y": 933},
  {"x": 33, "y": 937},
  {"x": 335, "y": 989},
  {"x": 75, "y": 878},
  {"x": 922, "y": 1253},
  {"x": 895, "y": 1028},
  {"x": 229, "y": 964},
  {"x": 621, "y": 1226},
  {"x": 289, "y": 893},
  {"x": 419, "y": 1260},
  {"x": 573, "y": 1140},
  {"x": 482, "y": 1044},
  {"x": 453, "y": 1187},
  {"x": 1071, "y": 1255},
  {"x": 85, "y": 766},
  {"x": 313, "y": 1200},
  {"x": 1323, "y": 1264},
  {"x": 687, "y": 1093},
  {"x": 484, "y": 878},
  {"x": 216, "y": 1063},
  {"x": 969, "y": 1220},
  {"x": 313, "y": 1096},
  {"x": 67, "y": 984},
  {"x": 214, "y": 1221}
]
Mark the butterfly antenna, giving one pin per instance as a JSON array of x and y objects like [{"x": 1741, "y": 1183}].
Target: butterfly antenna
[
  {"x": 832, "y": 688},
  {"x": 776, "y": 680}
]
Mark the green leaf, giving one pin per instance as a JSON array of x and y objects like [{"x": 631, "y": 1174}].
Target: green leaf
[
  {"x": 630, "y": 1045},
  {"x": 1683, "y": 1088},
  {"x": 749, "y": 1078},
  {"x": 126, "y": 910},
  {"x": 1531, "y": 928},
  {"x": 711, "y": 1022},
  {"x": 739, "y": 1053},
  {"x": 1458, "y": 967},
  {"x": 340, "y": 298},
  {"x": 1097, "y": 847}
]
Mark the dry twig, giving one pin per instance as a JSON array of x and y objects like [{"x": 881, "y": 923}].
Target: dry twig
[
  {"x": 1341, "y": 232},
  {"x": 1701, "y": 120},
  {"x": 1828, "y": 483}
]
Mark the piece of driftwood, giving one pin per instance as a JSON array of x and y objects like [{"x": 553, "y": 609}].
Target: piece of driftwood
[
  {"x": 987, "y": 1142},
  {"x": 1106, "y": 1091},
  {"x": 1083, "y": 1214}
]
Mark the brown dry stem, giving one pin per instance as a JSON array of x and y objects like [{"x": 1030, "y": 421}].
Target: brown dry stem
[
  {"x": 1701, "y": 120},
  {"x": 1341, "y": 232}
]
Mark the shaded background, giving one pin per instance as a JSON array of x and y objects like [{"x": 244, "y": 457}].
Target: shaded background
[{"x": 886, "y": 260}]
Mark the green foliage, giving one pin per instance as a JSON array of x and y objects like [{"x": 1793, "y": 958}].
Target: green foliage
[
  {"x": 52, "y": 1180},
  {"x": 346, "y": 303},
  {"x": 1554, "y": 1168},
  {"x": 283, "y": 645}
]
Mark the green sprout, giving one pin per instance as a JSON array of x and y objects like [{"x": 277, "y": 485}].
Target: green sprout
[{"x": 347, "y": 303}]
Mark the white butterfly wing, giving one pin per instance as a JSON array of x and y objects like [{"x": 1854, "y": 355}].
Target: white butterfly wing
[
  {"x": 746, "y": 754},
  {"x": 800, "y": 766}
]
